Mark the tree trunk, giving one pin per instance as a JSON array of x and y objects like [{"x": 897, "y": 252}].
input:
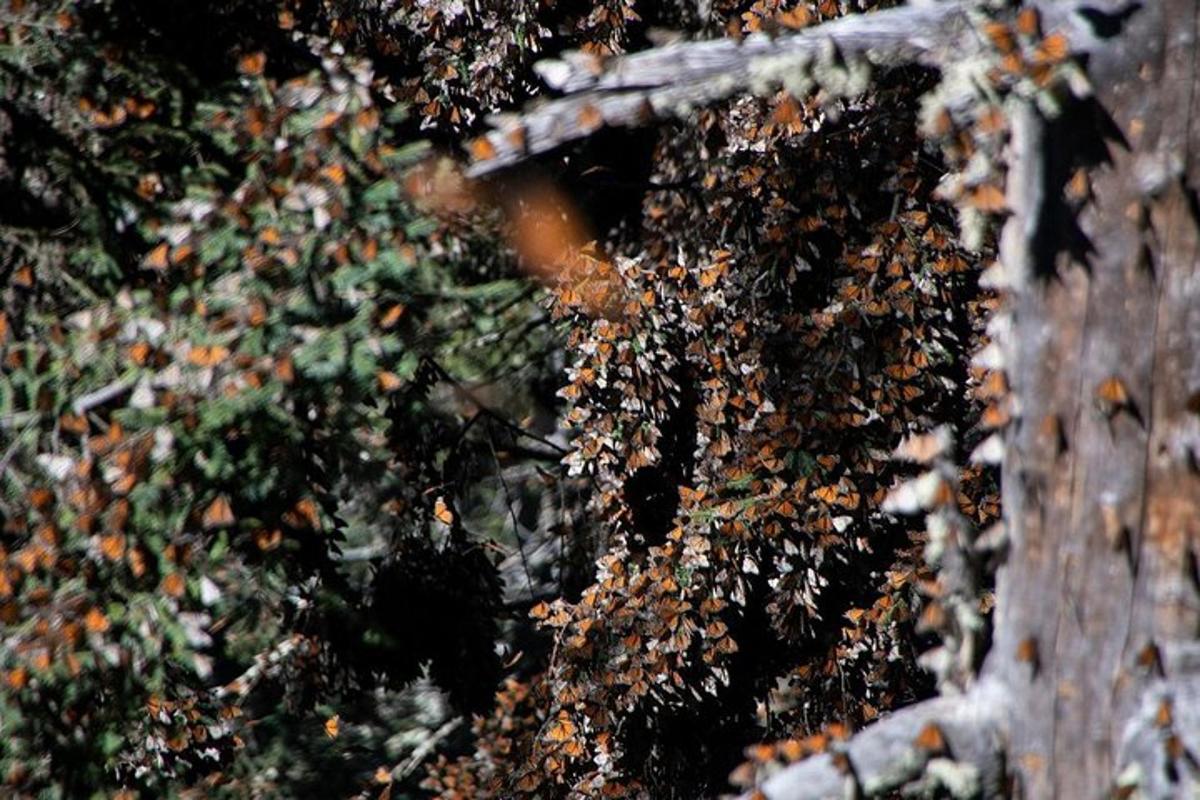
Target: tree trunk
[
  {"x": 1098, "y": 608},
  {"x": 1092, "y": 686}
]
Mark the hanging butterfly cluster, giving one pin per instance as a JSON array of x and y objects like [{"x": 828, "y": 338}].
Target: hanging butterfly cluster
[
  {"x": 459, "y": 59},
  {"x": 737, "y": 385}
]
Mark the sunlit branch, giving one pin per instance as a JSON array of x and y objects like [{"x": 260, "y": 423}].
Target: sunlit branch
[
  {"x": 946, "y": 738},
  {"x": 669, "y": 80}
]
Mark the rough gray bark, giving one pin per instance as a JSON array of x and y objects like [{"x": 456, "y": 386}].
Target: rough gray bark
[
  {"x": 1092, "y": 686},
  {"x": 1101, "y": 493}
]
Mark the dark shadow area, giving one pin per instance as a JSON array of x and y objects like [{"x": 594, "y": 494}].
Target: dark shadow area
[{"x": 1079, "y": 138}]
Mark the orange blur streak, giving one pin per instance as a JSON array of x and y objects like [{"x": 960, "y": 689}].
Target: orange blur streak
[{"x": 542, "y": 225}]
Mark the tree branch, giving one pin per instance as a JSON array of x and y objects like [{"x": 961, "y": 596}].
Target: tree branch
[
  {"x": 101, "y": 396},
  {"x": 264, "y": 665},
  {"x": 900, "y": 749},
  {"x": 630, "y": 90}
]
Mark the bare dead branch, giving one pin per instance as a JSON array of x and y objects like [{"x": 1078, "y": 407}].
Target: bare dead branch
[
  {"x": 421, "y": 752},
  {"x": 664, "y": 81},
  {"x": 265, "y": 664},
  {"x": 897, "y": 751}
]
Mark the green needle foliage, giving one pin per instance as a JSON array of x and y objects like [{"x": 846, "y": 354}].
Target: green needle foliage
[{"x": 223, "y": 330}]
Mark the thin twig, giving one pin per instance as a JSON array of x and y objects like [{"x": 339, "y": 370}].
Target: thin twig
[
  {"x": 263, "y": 664},
  {"x": 101, "y": 396},
  {"x": 422, "y": 751},
  {"x": 12, "y": 448},
  {"x": 512, "y": 513},
  {"x": 492, "y": 414}
]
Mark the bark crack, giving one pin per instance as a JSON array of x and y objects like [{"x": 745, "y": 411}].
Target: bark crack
[{"x": 1077, "y": 477}]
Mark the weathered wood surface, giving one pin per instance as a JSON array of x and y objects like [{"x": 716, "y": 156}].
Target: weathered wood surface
[{"x": 1102, "y": 497}]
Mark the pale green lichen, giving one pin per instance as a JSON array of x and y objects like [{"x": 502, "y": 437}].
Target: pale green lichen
[
  {"x": 945, "y": 776},
  {"x": 898, "y": 772},
  {"x": 827, "y": 73},
  {"x": 792, "y": 72}
]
